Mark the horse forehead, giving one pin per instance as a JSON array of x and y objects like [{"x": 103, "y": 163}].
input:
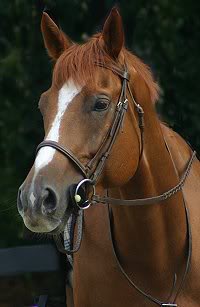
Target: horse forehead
[
  {"x": 67, "y": 93},
  {"x": 105, "y": 78}
]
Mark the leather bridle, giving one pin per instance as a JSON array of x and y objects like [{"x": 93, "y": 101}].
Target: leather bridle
[
  {"x": 92, "y": 171},
  {"x": 94, "y": 168}
]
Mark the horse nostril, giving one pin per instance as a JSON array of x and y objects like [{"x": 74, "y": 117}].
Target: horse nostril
[{"x": 49, "y": 201}]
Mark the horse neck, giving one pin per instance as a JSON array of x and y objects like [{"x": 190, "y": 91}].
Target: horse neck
[{"x": 151, "y": 239}]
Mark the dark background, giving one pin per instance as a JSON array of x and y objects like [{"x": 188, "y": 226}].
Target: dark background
[{"x": 164, "y": 33}]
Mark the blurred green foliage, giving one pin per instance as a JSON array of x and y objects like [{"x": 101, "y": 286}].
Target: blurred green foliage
[{"x": 165, "y": 34}]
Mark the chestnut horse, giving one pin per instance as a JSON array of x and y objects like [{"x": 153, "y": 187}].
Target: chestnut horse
[{"x": 137, "y": 253}]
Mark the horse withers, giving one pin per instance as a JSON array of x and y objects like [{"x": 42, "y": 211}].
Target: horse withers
[{"x": 140, "y": 244}]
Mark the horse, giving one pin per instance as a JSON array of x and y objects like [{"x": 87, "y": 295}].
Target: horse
[{"x": 106, "y": 153}]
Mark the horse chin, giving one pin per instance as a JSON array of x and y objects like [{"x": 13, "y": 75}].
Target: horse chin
[
  {"x": 51, "y": 225},
  {"x": 40, "y": 226}
]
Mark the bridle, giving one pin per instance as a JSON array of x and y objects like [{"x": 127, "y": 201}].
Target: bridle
[{"x": 92, "y": 171}]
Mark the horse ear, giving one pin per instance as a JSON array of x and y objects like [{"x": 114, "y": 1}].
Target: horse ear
[
  {"x": 54, "y": 39},
  {"x": 113, "y": 33}
]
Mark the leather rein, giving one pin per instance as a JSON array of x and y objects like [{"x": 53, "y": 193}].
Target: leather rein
[{"x": 94, "y": 168}]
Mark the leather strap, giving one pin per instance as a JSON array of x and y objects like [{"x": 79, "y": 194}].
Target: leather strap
[
  {"x": 120, "y": 113},
  {"x": 116, "y": 70},
  {"x": 96, "y": 165},
  {"x": 133, "y": 284},
  {"x": 189, "y": 250},
  {"x": 66, "y": 152},
  {"x": 77, "y": 244},
  {"x": 149, "y": 200}
]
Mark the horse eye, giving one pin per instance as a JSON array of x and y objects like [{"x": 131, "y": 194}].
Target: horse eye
[{"x": 101, "y": 105}]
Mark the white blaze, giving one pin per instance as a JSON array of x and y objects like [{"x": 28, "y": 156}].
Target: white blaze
[
  {"x": 45, "y": 154},
  {"x": 32, "y": 198}
]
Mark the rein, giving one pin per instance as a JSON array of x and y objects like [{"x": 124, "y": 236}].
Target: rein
[
  {"x": 138, "y": 289},
  {"x": 149, "y": 200},
  {"x": 94, "y": 168}
]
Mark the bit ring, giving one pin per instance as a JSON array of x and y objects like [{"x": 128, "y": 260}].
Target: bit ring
[{"x": 77, "y": 197}]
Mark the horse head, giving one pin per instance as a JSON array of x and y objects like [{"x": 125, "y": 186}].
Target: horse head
[{"x": 78, "y": 113}]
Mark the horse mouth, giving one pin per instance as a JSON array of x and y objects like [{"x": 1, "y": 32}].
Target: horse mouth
[
  {"x": 61, "y": 226},
  {"x": 47, "y": 225},
  {"x": 38, "y": 219}
]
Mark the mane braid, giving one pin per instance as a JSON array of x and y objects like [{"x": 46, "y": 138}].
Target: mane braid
[{"x": 78, "y": 63}]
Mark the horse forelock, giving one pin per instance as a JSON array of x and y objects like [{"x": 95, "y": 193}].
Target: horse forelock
[{"x": 78, "y": 63}]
